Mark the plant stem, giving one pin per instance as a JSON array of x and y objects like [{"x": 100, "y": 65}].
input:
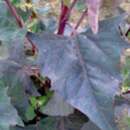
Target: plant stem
[
  {"x": 70, "y": 9},
  {"x": 15, "y": 14},
  {"x": 63, "y": 20},
  {"x": 64, "y": 17},
  {"x": 79, "y": 21},
  {"x": 20, "y": 23}
]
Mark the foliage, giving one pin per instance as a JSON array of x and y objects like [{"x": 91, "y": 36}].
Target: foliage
[
  {"x": 56, "y": 82},
  {"x": 8, "y": 27},
  {"x": 93, "y": 76},
  {"x": 9, "y": 115}
]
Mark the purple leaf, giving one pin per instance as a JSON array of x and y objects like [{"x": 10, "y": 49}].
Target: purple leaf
[
  {"x": 57, "y": 107},
  {"x": 15, "y": 77},
  {"x": 85, "y": 69}
]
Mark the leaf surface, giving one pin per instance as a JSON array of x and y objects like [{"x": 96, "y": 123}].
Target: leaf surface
[
  {"x": 13, "y": 74},
  {"x": 57, "y": 107},
  {"x": 85, "y": 69},
  {"x": 8, "y": 114}
]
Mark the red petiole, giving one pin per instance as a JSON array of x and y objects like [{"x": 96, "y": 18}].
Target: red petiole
[
  {"x": 15, "y": 14},
  {"x": 63, "y": 20},
  {"x": 20, "y": 22},
  {"x": 79, "y": 21},
  {"x": 64, "y": 17}
]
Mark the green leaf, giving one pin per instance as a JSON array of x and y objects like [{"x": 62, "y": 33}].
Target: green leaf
[
  {"x": 34, "y": 26},
  {"x": 40, "y": 101},
  {"x": 16, "y": 2},
  {"x": 30, "y": 114},
  {"x": 33, "y": 102},
  {"x": 128, "y": 35}
]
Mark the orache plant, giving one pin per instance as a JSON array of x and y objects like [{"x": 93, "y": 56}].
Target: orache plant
[{"x": 56, "y": 82}]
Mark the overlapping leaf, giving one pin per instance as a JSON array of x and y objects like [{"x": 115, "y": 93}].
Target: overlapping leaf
[
  {"x": 12, "y": 72},
  {"x": 57, "y": 107},
  {"x": 85, "y": 69},
  {"x": 8, "y": 114}
]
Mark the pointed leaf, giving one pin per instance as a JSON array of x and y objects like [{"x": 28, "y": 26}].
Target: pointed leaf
[
  {"x": 85, "y": 69},
  {"x": 57, "y": 107}
]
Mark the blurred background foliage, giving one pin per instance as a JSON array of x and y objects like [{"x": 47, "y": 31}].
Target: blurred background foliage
[{"x": 41, "y": 15}]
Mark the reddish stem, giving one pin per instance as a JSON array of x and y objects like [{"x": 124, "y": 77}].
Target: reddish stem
[
  {"x": 79, "y": 21},
  {"x": 70, "y": 9},
  {"x": 14, "y": 13},
  {"x": 63, "y": 20},
  {"x": 64, "y": 17},
  {"x": 20, "y": 22}
]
